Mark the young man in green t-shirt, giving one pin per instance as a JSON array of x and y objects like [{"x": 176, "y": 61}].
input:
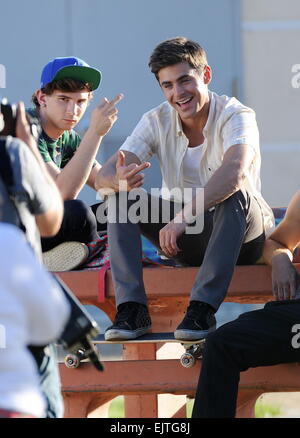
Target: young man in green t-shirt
[{"x": 65, "y": 92}]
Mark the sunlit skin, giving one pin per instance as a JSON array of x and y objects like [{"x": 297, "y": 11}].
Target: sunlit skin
[
  {"x": 186, "y": 90},
  {"x": 62, "y": 110}
]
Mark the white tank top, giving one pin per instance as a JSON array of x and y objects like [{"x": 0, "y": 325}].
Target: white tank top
[{"x": 191, "y": 167}]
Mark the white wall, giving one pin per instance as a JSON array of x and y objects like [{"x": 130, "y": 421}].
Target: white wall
[
  {"x": 117, "y": 37},
  {"x": 271, "y": 47}
]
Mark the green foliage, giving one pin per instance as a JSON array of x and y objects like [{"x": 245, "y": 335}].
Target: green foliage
[
  {"x": 116, "y": 409},
  {"x": 266, "y": 410}
]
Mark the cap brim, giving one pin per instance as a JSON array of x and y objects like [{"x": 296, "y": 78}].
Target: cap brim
[{"x": 85, "y": 74}]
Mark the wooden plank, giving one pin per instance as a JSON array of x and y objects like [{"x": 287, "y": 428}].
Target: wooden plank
[
  {"x": 168, "y": 376},
  {"x": 249, "y": 283}
]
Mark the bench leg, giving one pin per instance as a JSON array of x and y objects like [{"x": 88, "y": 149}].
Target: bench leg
[
  {"x": 83, "y": 405},
  {"x": 246, "y": 403},
  {"x": 171, "y": 406},
  {"x": 140, "y": 406},
  {"x": 151, "y": 405}
]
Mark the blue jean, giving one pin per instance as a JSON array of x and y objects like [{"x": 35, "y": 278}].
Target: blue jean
[
  {"x": 233, "y": 234},
  {"x": 46, "y": 360}
]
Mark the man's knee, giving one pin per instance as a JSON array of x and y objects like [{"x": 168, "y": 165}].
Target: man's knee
[
  {"x": 241, "y": 199},
  {"x": 75, "y": 205},
  {"x": 214, "y": 341},
  {"x": 222, "y": 341},
  {"x": 77, "y": 208}
]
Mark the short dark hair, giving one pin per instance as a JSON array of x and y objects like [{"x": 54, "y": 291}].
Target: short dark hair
[
  {"x": 65, "y": 84},
  {"x": 176, "y": 50}
]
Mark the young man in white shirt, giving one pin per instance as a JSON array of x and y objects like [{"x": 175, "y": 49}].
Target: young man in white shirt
[{"x": 202, "y": 141}]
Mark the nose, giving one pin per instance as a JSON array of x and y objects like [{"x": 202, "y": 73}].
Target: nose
[
  {"x": 178, "y": 89},
  {"x": 72, "y": 108}
]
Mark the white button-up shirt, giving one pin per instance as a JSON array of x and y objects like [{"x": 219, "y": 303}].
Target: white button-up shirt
[{"x": 229, "y": 123}]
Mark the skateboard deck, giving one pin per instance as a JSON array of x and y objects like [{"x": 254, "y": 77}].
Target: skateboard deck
[
  {"x": 193, "y": 349},
  {"x": 148, "y": 338}
]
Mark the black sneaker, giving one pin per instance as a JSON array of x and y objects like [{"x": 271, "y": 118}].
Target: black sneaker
[
  {"x": 132, "y": 320},
  {"x": 199, "y": 320}
]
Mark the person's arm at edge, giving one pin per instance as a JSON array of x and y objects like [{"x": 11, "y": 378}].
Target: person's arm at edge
[
  {"x": 49, "y": 222},
  {"x": 279, "y": 248}
]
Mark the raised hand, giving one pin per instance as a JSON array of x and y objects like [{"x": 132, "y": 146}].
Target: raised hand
[
  {"x": 105, "y": 115},
  {"x": 285, "y": 279},
  {"x": 128, "y": 177},
  {"x": 23, "y": 129}
]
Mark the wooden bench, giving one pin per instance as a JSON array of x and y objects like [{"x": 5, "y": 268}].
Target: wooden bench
[{"x": 152, "y": 379}]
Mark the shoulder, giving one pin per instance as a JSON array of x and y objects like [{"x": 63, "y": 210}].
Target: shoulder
[
  {"x": 293, "y": 209},
  {"x": 160, "y": 112},
  {"x": 71, "y": 138},
  {"x": 226, "y": 107}
]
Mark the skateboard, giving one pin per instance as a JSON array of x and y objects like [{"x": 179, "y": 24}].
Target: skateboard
[{"x": 193, "y": 349}]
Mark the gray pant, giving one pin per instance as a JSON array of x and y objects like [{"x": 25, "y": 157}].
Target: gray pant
[{"x": 218, "y": 248}]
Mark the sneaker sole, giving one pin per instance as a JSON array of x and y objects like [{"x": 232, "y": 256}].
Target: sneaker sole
[
  {"x": 66, "y": 256},
  {"x": 123, "y": 335},
  {"x": 192, "y": 335}
]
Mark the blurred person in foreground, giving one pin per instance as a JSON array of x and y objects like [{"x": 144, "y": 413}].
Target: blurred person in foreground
[
  {"x": 33, "y": 312},
  {"x": 36, "y": 208}
]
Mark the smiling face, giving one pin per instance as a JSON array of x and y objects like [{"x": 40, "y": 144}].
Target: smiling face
[
  {"x": 62, "y": 110},
  {"x": 185, "y": 88}
]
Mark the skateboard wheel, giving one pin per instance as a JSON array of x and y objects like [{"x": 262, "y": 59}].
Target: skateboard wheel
[
  {"x": 187, "y": 360},
  {"x": 72, "y": 361}
]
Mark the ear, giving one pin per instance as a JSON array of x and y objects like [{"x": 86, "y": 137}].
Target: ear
[
  {"x": 41, "y": 97},
  {"x": 207, "y": 74}
]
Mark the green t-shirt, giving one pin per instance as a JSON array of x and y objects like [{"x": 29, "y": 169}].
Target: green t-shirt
[{"x": 59, "y": 151}]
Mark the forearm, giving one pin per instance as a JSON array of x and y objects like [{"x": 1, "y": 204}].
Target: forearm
[
  {"x": 75, "y": 174},
  {"x": 223, "y": 184},
  {"x": 106, "y": 179},
  {"x": 49, "y": 222},
  {"x": 275, "y": 251}
]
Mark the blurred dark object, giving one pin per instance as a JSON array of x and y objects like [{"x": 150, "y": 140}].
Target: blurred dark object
[
  {"x": 9, "y": 114},
  {"x": 80, "y": 330}
]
